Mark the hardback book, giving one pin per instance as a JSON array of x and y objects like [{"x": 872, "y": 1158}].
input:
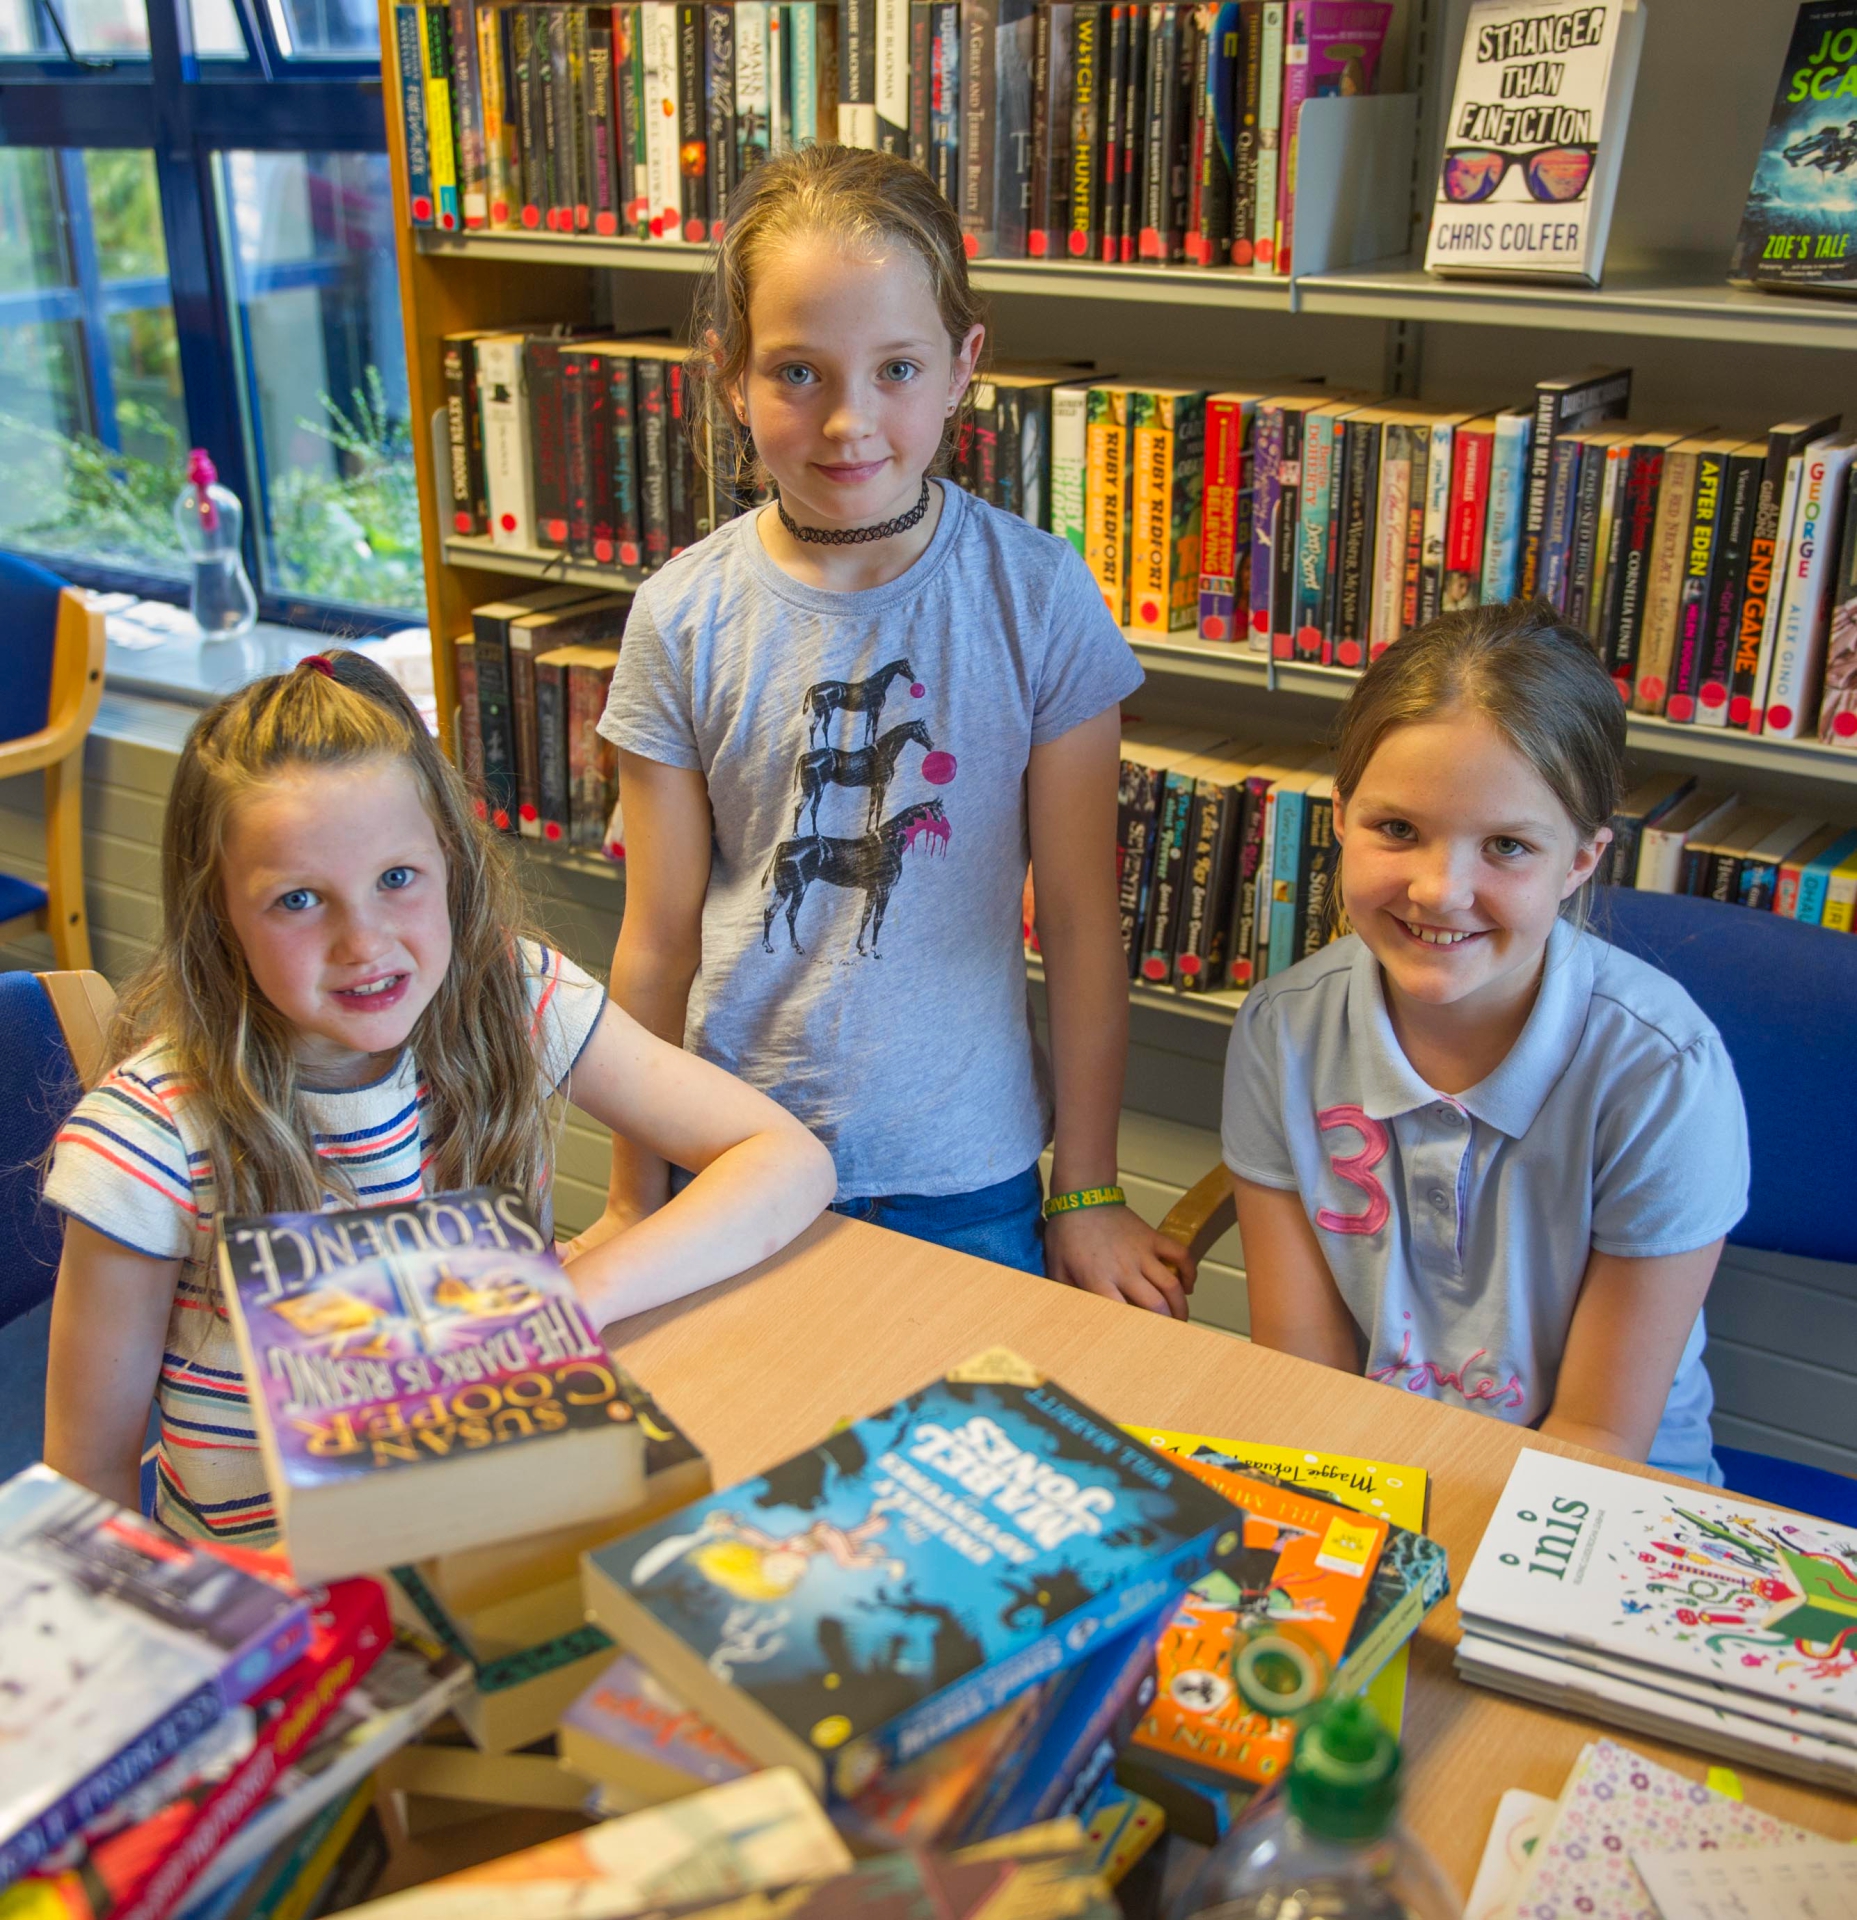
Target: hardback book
[
  {"x": 1799, "y": 230},
  {"x": 423, "y": 1378},
  {"x": 121, "y": 1645},
  {"x": 1662, "y": 841},
  {"x": 1270, "y": 1625},
  {"x": 629, "y": 1732},
  {"x": 143, "y": 1859},
  {"x": 1645, "y": 804},
  {"x": 859, "y": 1603},
  {"x": 1535, "y": 138},
  {"x": 1677, "y": 1580},
  {"x": 765, "y": 1830}
]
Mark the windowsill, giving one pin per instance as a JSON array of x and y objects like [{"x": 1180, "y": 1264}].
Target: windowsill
[{"x": 197, "y": 672}]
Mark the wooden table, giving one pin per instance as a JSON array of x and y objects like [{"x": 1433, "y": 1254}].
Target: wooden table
[{"x": 851, "y": 1318}]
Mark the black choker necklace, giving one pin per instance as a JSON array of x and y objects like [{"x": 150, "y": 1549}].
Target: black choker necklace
[{"x": 854, "y": 536}]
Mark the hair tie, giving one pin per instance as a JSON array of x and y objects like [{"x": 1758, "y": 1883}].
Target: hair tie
[{"x": 317, "y": 663}]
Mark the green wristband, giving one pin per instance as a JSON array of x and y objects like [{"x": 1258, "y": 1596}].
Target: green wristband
[{"x": 1084, "y": 1197}]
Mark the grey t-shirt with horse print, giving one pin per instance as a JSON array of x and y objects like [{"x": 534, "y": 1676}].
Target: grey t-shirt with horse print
[{"x": 865, "y": 755}]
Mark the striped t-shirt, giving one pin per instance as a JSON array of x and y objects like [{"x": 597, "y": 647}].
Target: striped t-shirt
[{"x": 131, "y": 1163}]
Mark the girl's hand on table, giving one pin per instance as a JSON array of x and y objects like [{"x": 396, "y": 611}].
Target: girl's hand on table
[{"x": 1112, "y": 1251}]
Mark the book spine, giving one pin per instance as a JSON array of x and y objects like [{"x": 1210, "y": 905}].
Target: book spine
[
  {"x": 1133, "y": 155},
  {"x": 548, "y": 441},
  {"x": 1837, "y": 705},
  {"x": 921, "y": 78},
  {"x": 979, "y": 113},
  {"x": 1692, "y": 594},
  {"x": 595, "y": 771},
  {"x": 1218, "y": 95},
  {"x": 654, "y": 464},
  {"x": 1283, "y": 535},
  {"x": 468, "y": 115},
  {"x": 1155, "y": 128},
  {"x": 857, "y": 73},
  {"x": 780, "y": 76},
  {"x": 803, "y": 68},
  {"x": 577, "y": 454},
  {"x": 1170, "y": 857},
  {"x": 1049, "y": 235},
  {"x": 435, "y": 47},
  {"x": 667, "y": 119},
  {"x": 1316, "y": 881},
  {"x": 1354, "y": 560},
  {"x": 1226, "y": 424},
  {"x": 1389, "y": 540},
  {"x": 1038, "y": 221},
  {"x": 1199, "y": 949},
  {"x": 1291, "y": 801},
  {"x": 692, "y": 134},
  {"x": 548, "y": 58},
  {"x": 719, "y": 112},
  {"x": 575, "y": 39},
  {"x": 1105, "y": 132},
  {"x": 891, "y": 57},
  {"x": 1177, "y": 136},
  {"x": 1106, "y": 495},
  {"x": 409, "y": 36},
  {"x": 1663, "y": 582},
  {"x": 469, "y": 733},
  {"x": 1608, "y": 555},
  {"x": 1070, "y": 408},
  {"x": 601, "y": 488},
  {"x": 508, "y": 487},
  {"x": 681, "y": 495},
  {"x": 1563, "y": 482},
  {"x": 464, "y": 436},
  {"x": 629, "y": 35},
  {"x": 1636, "y": 535},
  {"x": 1266, "y": 459},
  {"x": 753, "y": 87},
  {"x": 551, "y": 745},
  {"x": 1082, "y": 200},
  {"x": 1776, "y": 591},
  {"x": 1309, "y": 638},
  {"x": 1241, "y": 935},
  {"x": 1439, "y": 470},
  {"x": 602, "y": 180},
  {"x": 1134, "y": 846},
  {"x": 1248, "y": 82},
  {"x": 985, "y": 417},
  {"x": 1583, "y": 555},
  {"x": 1269, "y": 138},
  {"x": 1792, "y": 688},
  {"x": 1463, "y": 559},
  {"x": 1417, "y": 493},
  {"x": 1295, "y": 92},
  {"x": 622, "y": 456},
  {"x": 1347, "y": 432},
  {"x": 1508, "y": 481},
  {"x": 501, "y": 182},
  {"x": 525, "y": 119},
  {"x": 522, "y": 730},
  {"x": 945, "y": 102},
  {"x": 1765, "y": 561},
  {"x": 1150, "y": 549}
]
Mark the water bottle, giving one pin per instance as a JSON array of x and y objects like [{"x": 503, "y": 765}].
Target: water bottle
[
  {"x": 210, "y": 520},
  {"x": 1329, "y": 1845}
]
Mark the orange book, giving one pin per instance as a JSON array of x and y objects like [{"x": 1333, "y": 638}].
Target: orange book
[{"x": 1273, "y": 1624}]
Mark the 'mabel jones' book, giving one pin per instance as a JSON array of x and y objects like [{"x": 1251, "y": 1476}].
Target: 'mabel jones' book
[
  {"x": 1799, "y": 231},
  {"x": 423, "y": 1379},
  {"x": 1704, "y": 1586},
  {"x": 119, "y": 1647},
  {"x": 1536, "y": 133},
  {"x": 871, "y": 1597}
]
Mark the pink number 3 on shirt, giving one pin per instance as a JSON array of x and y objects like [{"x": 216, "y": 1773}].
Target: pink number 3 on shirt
[{"x": 1357, "y": 1170}]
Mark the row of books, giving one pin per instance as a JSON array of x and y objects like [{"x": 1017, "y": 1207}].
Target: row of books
[
  {"x": 532, "y": 677},
  {"x": 191, "y": 1730},
  {"x": 1674, "y": 836},
  {"x": 1154, "y": 131}
]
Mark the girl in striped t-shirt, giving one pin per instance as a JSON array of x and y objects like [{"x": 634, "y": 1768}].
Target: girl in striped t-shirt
[{"x": 344, "y": 1011}]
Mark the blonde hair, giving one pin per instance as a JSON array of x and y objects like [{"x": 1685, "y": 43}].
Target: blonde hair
[
  {"x": 1536, "y": 679},
  {"x": 235, "y": 1052},
  {"x": 868, "y": 202}
]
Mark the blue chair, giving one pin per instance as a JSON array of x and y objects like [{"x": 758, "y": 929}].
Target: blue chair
[
  {"x": 1784, "y": 998},
  {"x": 52, "y": 642},
  {"x": 51, "y": 1046}
]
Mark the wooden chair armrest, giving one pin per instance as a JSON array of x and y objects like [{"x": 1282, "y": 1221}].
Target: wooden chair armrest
[
  {"x": 76, "y": 692},
  {"x": 1204, "y": 1214},
  {"x": 83, "y": 1002}
]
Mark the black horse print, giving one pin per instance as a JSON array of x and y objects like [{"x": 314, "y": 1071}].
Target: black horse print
[
  {"x": 874, "y": 863},
  {"x": 873, "y": 767},
  {"x": 828, "y": 697}
]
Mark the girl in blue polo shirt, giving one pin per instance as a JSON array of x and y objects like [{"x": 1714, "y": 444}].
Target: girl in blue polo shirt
[{"x": 1480, "y": 1154}]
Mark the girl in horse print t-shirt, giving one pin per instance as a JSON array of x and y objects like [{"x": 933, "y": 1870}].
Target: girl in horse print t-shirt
[{"x": 844, "y": 723}]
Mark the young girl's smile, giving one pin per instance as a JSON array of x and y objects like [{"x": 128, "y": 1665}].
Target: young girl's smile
[
  {"x": 1455, "y": 858},
  {"x": 334, "y": 882},
  {"x": 850, "y": 380}
]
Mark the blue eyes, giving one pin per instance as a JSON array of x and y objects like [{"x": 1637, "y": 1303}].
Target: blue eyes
[
  {"x": 1504, "y": 846},
  {"x": 896, "y": 372},
  {"x": 297, "y": 900},
  {"x": 301, "y": 899},
  {"x": 397, "y": 877},
  {"x": 794, "y": 376}
]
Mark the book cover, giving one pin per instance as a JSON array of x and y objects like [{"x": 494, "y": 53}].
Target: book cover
[
  {"x": 1472, "y": 451},
  {"x": 407, "y": 1364},
  {"x": 628, "y": 1730},
  {"x": 1534, "y": 137},
  {"x": 1255, "y": 1643},
  {"x": 1708, "y": 1586},
  {"x": 1508, "y": 480},
  {"x": 1112, "y": 102},
  {"x": 1229, "y": 419},
  {"x": 1800, "y": 223},
  {"x": 1656, "y": 643},
  {"x": 408, "y": 34},
  {"x": 1570, "y": 404},
  {"x": 1741, "y": 486},
  {"x": 121, "y": 1646},
  {"x": 1330, "y": 47},
  {"x": 1106, "y": 494},
  {"x": 1699, "y": 559},
  {"x": 1168, "y": 455},
  {"x": 909, "y": 1575},
  {"x": 1269, "y": 136},
  {"x": 468, "y": 115}
]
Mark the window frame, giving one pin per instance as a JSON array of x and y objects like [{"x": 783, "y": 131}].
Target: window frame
[{"x": 186, "y": 110}]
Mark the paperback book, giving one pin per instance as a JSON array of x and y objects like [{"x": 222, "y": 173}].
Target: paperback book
[
  {"x": 423, "y": 1378},
  {"x": 871, "y": 1597}
]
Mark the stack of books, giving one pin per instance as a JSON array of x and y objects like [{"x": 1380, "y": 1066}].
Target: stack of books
[
  {"x": 1697, "y": 1617},
  {"x": 175, "y": 1709},
  {"x": 1160, "y": 132},
  {"x": 943, "y": 1617}
]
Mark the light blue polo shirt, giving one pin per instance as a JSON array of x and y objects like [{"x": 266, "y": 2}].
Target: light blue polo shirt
[{"x": 1458, "y": 1229}]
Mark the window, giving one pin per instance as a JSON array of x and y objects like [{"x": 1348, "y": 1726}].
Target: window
[
  {"x": 196, "y": 249},
  {"x": 92, "y": 424}
]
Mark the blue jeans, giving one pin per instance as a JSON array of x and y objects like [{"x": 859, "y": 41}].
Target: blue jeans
[{"x": 1003, "y": 1223}]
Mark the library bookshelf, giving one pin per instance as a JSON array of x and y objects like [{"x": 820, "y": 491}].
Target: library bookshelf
[{"x": 1653, "y": 304}]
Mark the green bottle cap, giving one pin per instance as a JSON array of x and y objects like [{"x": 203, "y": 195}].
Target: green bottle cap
[{"x": 1344, "y": 1775}]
